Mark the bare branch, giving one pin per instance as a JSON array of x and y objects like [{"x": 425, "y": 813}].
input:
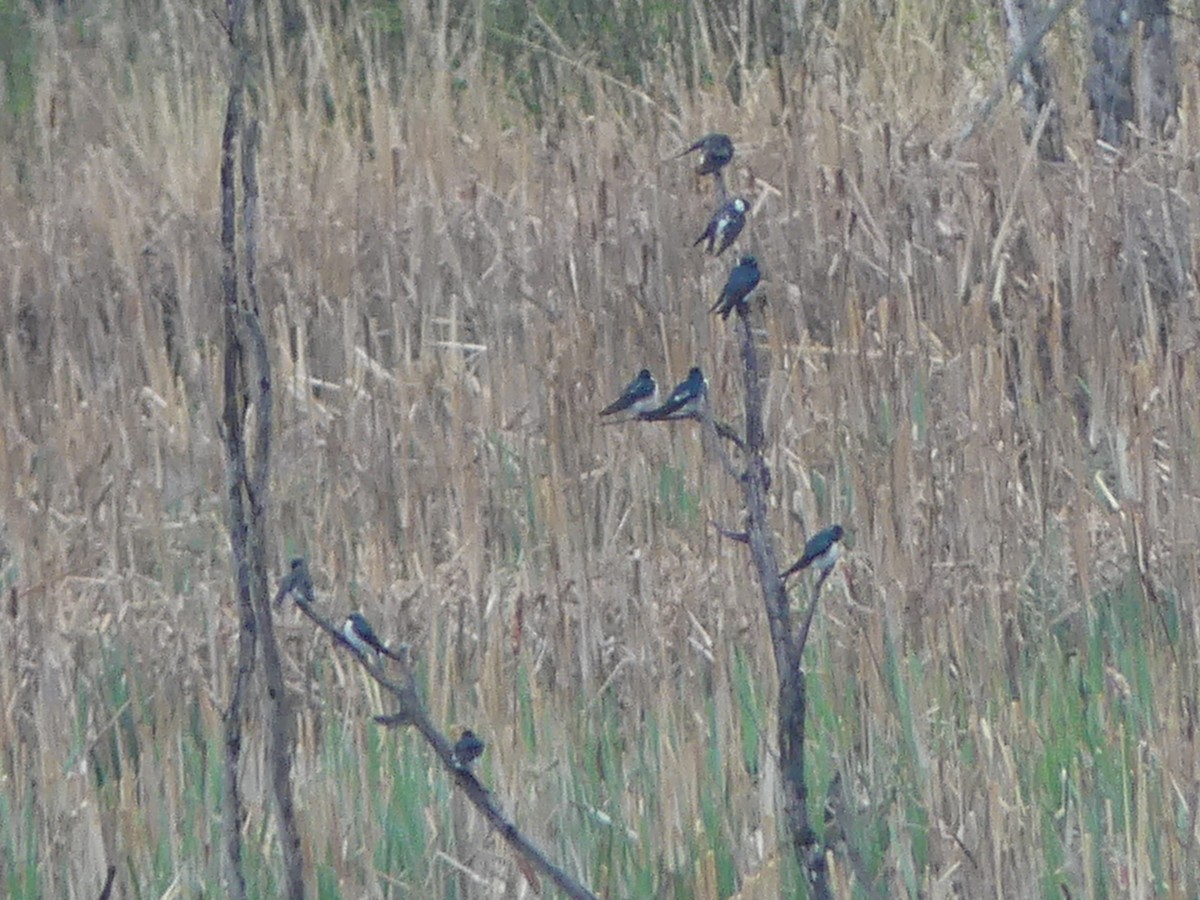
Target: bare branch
[
  {"x": 793, "y": 702},
  {"x": 741, "y": 537},
  {"x": 726, "y": 431},
  {"x": 802, "y": 637},
  {"x": 412, "y": 712},
  {"x": 235, "y": 468}
]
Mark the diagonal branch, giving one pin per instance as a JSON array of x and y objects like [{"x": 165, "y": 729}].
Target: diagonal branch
[{"x": 411, "y": 711}]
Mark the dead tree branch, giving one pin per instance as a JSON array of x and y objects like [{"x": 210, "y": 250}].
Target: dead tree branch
[
  {"x": 236, "y": 479},
  {"x": 411, "y": 711},
  {"x": 247, "y": 386},
  {"x": 1020, "y": 58},
  {"x": 279, "y": 714},
  {"x": 793, "y": 702}
]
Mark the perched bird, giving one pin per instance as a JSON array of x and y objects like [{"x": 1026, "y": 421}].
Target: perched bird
[
  {"x": 361, "y": 636},
  {"x": 821, "y": 551},
  {"x": 467, "y": 749},
  {"x": 685, "y": 400},
  {"x": 639, "y": 395},
  {"x": 742, "y": 280},
  {"x": 725, "y": 225},
  {"x": 716, "y": 151},
  {"x": 297, "y": 582}
]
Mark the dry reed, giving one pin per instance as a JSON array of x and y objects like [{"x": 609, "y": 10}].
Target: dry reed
[{"x": 979, "y": 366}]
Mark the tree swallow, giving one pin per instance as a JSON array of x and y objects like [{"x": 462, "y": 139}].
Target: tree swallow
[
  {"x": 639, "y": 395},
  {"x": 685, "y": 400},
  {"x": 821, "y": 551},
  {"x": 742, "y": 280},
  {"x": 725, "y": 225},
  {"x": 467, "y": 749},
  {"x": 716, "y": 150},
  {"x": 297, "y": 582},
  {"x": 361, "y": 636}
]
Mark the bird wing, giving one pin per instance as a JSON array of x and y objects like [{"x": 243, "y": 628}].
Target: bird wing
[
  {"x": 636, "y": 390},
  {"x": 622, "y": 402},
  {"x": 678, "y": 398}
]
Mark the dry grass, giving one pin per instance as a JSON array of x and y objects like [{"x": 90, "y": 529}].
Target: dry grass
[{"x": 983, "y": 367}]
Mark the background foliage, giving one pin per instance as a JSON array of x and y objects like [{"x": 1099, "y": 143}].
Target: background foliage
[{"x": 472, "y": 235}]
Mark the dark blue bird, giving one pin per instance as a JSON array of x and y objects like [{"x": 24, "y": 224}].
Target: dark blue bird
[
  {"x": 467, "y": 749},
  {"x": 298, "y": 582},
  {"x": 716, "y": 151},
  {"x": 639, "y": 396},
  {"x": 685, "y": 400},
  {"x": 821, "y": 551},
  {"x": 742, "y": 280},
  {"x": 725, "y": 225},
  {"x": 361, "y": 636}
]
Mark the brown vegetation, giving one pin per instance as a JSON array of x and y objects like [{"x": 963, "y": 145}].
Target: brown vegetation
[{"x": 985, "y": 367}]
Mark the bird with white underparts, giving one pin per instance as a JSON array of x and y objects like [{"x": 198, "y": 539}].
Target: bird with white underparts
[
  {"x": 297, "y": 582},
  {"x": 361, "y": 636},
  {"x": 724, "y": 226},
  {"x": 639, "y": 396},
  {"x": 716, "y": 152},
  {"x": 742, "y": 280},
  {"x": 685, "y": 401},
  {"x": 468, "y": 748},
  {"x": 821, "y": 551}
]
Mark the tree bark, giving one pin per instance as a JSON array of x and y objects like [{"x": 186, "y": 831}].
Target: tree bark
[
  {"x": 1110, "y": 81},
  {"x": 788, "y": 649},
  {"x": 233, "y": 813},
  {"x": 247, "y": 385},
  {"x": 1158, "y": 81},
  {"x": 1036, "y": 78}
]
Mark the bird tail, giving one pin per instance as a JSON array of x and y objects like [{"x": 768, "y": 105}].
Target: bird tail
[
  {"x": 653, "y": 415},
  {"x": 795, "y": 567}
]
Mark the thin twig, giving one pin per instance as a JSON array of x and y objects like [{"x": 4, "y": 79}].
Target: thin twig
[
  {"x": 740, "y": 536},
  {"x": 802, "y": 637}
]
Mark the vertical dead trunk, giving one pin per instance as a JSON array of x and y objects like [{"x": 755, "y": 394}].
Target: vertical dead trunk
[
  {"x": 788, "y": 647},
  {"x": 233, "y": 813},
  {"x": 1110, "y": 81},
  {"x": 1036, "y": 78},
  {"x": 1158, "y": 81},
  {"x": 1115, "y": 99},
  {"x": 247, "y": 385}
]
